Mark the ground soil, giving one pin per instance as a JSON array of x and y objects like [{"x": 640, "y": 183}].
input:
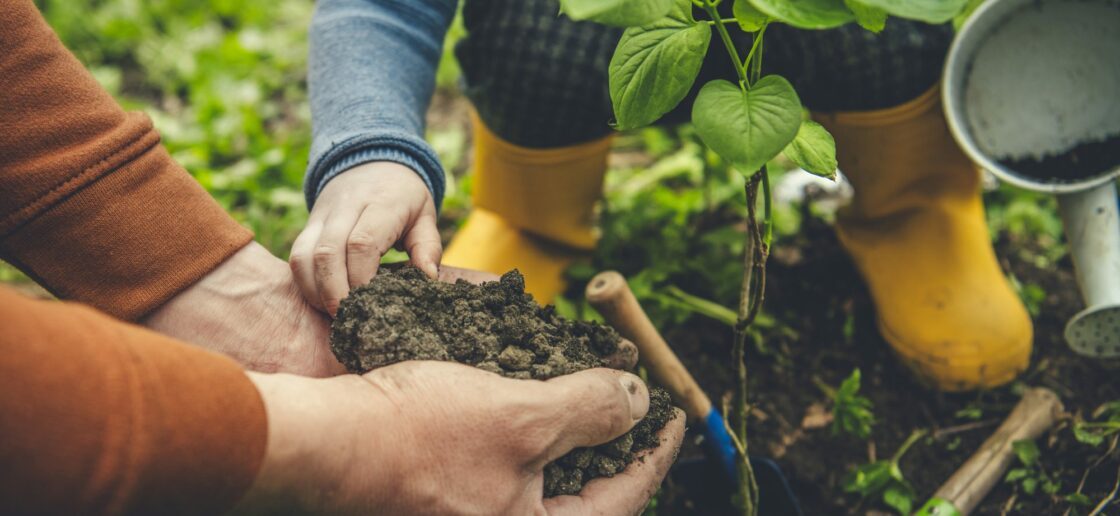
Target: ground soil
[
  {"x": 1087, "y": 160},
  {"x": 814, "y": 288},
  {"x": 402, "y": 315}
]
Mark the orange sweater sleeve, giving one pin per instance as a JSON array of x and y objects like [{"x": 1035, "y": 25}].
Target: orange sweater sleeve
[
  {"x": 102, "y": 417},
  {"x": 91, "y": 205}
]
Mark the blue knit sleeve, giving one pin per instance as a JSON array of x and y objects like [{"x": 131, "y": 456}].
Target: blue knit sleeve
[{"x": 371, "y": 74}]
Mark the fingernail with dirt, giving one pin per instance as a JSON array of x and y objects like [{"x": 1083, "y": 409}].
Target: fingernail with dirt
[{"x": 639, "y": 395}]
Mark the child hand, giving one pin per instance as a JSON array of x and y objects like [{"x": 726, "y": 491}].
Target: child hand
[{"x": 357, "y": 218}]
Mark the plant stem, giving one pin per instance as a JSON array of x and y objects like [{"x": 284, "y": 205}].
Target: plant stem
[
  {"x": 756, "y": 69},
  {"x": 725, "y": 20},
  {"x": 755, "y": 53},
  {"x": 767, "y": 211},
  {"x": 748, "y": 309},
  {"x": 710, "y": 7},
  {"x": 914, "y": 436}
]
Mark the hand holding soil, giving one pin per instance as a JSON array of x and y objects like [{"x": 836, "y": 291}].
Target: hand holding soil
[
  {"x": 250, "y": 309},
  {"x": 441, "y": 438},
  {"x": 402, "y": 315}
]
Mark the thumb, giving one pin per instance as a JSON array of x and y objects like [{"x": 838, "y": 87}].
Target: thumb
[{"x": 593, "y": 407}]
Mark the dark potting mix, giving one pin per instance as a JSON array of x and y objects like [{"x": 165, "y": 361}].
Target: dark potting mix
[
  {"x": 404, "y": 315},
  {"x": 1086, "y": 160}
]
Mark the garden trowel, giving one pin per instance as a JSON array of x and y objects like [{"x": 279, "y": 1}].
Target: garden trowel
[
  {"x": 609, "y": 293},
  {"x": 1032, "y": 94}
]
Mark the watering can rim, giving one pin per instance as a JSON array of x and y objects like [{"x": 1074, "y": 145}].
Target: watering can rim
[{"x": 952, "y": 81}]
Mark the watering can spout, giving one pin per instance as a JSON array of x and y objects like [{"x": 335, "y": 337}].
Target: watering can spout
[{"x": 1092, "y": 224}]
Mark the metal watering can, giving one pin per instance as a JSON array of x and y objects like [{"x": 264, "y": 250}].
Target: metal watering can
[{"x": 1032, "y": 94}]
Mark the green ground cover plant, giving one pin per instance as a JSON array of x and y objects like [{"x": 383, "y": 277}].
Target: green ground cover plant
[
  {"x": 851, "y": 412},
  {"x": 884, "y": 479}
]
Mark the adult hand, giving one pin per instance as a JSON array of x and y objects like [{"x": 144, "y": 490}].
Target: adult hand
[
  {"x": 251, "y": 309},
  {"x": 357, "y": 218},
  {"x": 443, "y": 438}
]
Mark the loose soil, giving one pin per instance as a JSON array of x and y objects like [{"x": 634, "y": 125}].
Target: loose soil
[
  {"x": 497, "y": 327},
  {"x": 814, "y": 289},
  {"x": 1082, "y": 162}
]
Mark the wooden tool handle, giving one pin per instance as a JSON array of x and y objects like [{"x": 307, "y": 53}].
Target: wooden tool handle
[
  {"x": 1033, "y": 415},
  {"x": 611, "y": 296}
]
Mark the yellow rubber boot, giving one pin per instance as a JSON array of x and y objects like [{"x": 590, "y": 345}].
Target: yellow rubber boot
[
  {"x": 533, "y": 210},
  {"x": 917, "y": 233}
]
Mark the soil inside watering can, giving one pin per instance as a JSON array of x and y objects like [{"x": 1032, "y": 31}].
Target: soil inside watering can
[
  {"x": 403, "y": 315},
  {"x": 1086, "y": 160}
]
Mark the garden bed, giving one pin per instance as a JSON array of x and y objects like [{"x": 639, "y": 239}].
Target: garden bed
[{"x": 818, "y": 293}]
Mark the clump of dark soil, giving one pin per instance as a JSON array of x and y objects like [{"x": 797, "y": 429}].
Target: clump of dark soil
[
  {"x": 403, "y": 315},
  {"x": 1087, "y": 160}
]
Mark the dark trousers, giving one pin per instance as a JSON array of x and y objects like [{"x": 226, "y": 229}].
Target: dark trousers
[{"x": 539, "y": 79}]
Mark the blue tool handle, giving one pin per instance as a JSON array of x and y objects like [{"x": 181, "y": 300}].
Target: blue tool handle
[{"x": 718, "y": 445}]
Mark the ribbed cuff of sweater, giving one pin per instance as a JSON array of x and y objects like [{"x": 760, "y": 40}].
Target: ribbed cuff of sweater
[{"x": 410, "y": 152}]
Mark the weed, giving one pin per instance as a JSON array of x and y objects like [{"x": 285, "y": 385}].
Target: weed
[
  {"x": 1030, "y": 475},
  {"x": 851, "y": 413},
  {"x": 1106, "y": 422},
  {"x": 884, "y": 479}
]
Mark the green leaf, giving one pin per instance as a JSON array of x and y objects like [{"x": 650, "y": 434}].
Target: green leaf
[
  {"x": 1027, "y": 451},
  {"x": 807, "y": 14},
  {"x": 896, "y": 472},
  {"x": 868, "y": 479},
  {"x": 873, "y": 19},
  {"x": 932, "y": 11},
  {"x": 1086, "y": 435},
  {"x": 850, "y": 386},
  {"x": 703, "y": 306},
  {"x": 747, "y": 129},
  {"x": 1017, "y": 474},
  {"x": 970, "y": 412},
  {"x": 750, "y": 19},
  {"x": 654, "y": 66},
  {"x": 899, "y": 498},
  {"x": 617, "y": 13},
  {"x": 1079, "y": 499},
  {"x": 1110, "y": 409},
  {"x": 814, "y": 150},
  {"x": 966, "y": 13}
]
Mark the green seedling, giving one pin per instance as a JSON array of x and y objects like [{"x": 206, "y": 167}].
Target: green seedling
[
  {"x": 1106, "y": 423},
  {"x": 1032, "y": 295},
  {"x": 1030, "y": 475},
  {"x": 884, "y": 479},
  {"x": 747, "y": 122},
  {"x": 971, "y": 412},
  {"x": 851, "y": 412}
]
